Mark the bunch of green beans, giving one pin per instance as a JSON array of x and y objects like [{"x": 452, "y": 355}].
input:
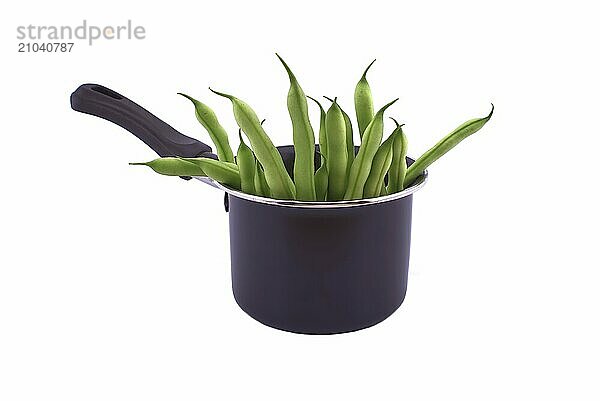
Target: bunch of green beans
[{"x": 378, "y": 168}]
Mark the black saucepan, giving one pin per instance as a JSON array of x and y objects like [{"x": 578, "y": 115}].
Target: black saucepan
[{"x": 304, "y": 267}]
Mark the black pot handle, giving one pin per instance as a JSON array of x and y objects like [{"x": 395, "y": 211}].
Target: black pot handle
[{"x": 105, "y": 103}]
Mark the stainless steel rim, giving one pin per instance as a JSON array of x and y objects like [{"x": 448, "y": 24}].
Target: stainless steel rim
[{"x": 320, "y": 205}]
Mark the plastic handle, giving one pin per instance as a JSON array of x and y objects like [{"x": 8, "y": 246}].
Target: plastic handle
[{"x": 105, "y": 103}]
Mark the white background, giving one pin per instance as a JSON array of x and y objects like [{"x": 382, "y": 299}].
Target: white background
[{"x": 115, "y": 283}]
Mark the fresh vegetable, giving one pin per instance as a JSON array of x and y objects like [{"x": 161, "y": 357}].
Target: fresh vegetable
[
  {"x": 304, "y": 139},
  {"x": 349, "y": 136},
  {"x": 322, "y": 181},
  {"x": 442, "y": 147},
  {"x": 217, "y": 133},
  {"x": 260, "y": 183},
  {"x": 379, "y": 168},
  {"x": 247, "y": 166},
  {"x": 349, "y": 141},
  {"x": 223, "y": 172},
  {"x": 322, "y": 133},
  {"x": 280, "y": 183},
  {"x": 398, "y": 167},
  {"x": 337, "y": 157},
  {"x": 343, "y": 174},
  {"x": 363, "y": 102},
  {"x": 173, "y": 166},
  {"x": 359, "y": 172}
]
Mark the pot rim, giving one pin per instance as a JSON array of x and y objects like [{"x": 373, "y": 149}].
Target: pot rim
[{"x": 418, "y": 184}]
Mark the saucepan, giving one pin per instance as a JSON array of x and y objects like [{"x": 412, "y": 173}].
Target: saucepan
[{"x": 303, "y": 267}]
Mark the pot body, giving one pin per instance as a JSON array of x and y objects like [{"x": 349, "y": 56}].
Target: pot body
[{"x": 319, "y": 271}]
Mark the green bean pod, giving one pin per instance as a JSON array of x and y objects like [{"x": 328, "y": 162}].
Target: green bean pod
[
  {"x": 337, "y": 158},
  {"x": 349, "y": 141},
  {"x": 398, "y": 167},
  {"x": 359, "y": 172},
  {"x": 349, "y": 137},
  {"x": 442, "y": 147},
  {"x": 173, "y": 166},
  {"x": 322, "y": 132},
  {"x": 260, "y": 184},
  {"x": 379, "y": 168},
  {"x": 363, "y": 102},
  {"x": 224, "y": 172},
  {"x": 304, "y": 139},
  {"x": 247, "y": 166},
  {"x": 322, "y": 180},
  {"x": 280, "y": 183},
  {"x": 217, "y": 133}
]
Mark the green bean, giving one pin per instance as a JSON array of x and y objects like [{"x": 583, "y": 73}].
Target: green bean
[
  {"x": 223, "y": 172},
  {"x": 217, "y": 133},
  {"x": 398, "y": 167},
  {"x": 247, "y": 166},
  {"x": 321, "y": 180},
  {"x": 304, "y": 139},
  {"x": 260, "y": 184},
  {"x": 363, "y": 102},
  {"x": 280, "y": 183},
  {"x": 349, "y": 137},
  {"x": 337, "y": 159},
  {"x": 322, "y": 132},
  {"x": 379, "y": 168},
  {"x": 359, "y": 172},
  {"x": 173, "y": 166},
  {"x": 448, "y": 142},
  {"x": 349, "y": 141}
]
